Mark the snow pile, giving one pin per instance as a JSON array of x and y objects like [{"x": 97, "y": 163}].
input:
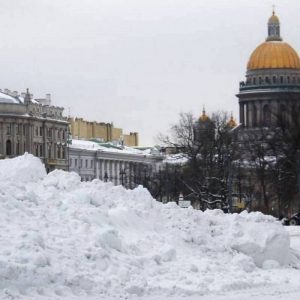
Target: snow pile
[{"x": 62, "y": 238}]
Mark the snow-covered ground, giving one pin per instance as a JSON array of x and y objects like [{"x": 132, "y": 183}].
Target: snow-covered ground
[{"x": 65, "y": 239}]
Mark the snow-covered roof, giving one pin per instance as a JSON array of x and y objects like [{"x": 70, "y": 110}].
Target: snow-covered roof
[
  {"x": 90, "y": 145},
  {"x": 4, "y": 98},
  {"x": 176, "y": 159}
]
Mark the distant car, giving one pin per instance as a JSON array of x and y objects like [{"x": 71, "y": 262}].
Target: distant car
[{"x": 293, "y": 220}]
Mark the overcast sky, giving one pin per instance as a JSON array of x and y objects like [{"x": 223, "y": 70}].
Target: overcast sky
[{"x": 136, "y": 63}]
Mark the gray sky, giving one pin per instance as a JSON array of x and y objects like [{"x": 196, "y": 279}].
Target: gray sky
[{"x": 137, "y": 63}]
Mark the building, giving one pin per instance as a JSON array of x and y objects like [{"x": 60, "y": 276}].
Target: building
[
  {"x": 272, "y": 84},
  {"x": 119, "y": 165},
  {"x": 103, "y": 132},
  {"x": 269, "y": 101},
  {"x": 34, "y": 126}
]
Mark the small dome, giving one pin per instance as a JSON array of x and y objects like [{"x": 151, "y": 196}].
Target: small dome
[
  {"x": 273, "y": 19},
  {"x": 231, "y": 123},
  {"x": 203, "y": 117},
  {"x": 274, "y": 55}
]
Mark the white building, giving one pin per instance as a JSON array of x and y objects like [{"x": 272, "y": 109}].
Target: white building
[{"x": 126, "y": 166}]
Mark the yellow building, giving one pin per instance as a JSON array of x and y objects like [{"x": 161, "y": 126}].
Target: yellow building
[{"x": 105, "y": 132}]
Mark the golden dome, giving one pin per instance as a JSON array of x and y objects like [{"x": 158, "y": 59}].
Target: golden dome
[
  {"x": 274, "y": 55},
  {"x": 203, "y": 117},
  {"x": 231, "y": 123},
  {"x": 273, "y": 19}
]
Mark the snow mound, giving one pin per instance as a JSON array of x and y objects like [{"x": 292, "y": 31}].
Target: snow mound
[{"x": 63, "y": 238}]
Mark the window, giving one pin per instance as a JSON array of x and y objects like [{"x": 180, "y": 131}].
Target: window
[
  {"x": 274, "y": 79},
  {"x": 18, "y": 150},
  {"x": 86, "y": 163},
  {"x": 36, "y": 131},
  {"x": 75, "y": 162},
  {"x": 70, "y": 162},
  {"x": 260, "y": 80},
  {"x": 8, "y": 147},
  {"x": 267, "y": 80},
  {"x": 41, "y": 150},
  {"x": 288, "y": 79},
  {"x": 58, "y": 152},
  {"x": 81, "y": 163},
  {"x": 92, "y": 163},
  {"x": 19, "y": 129},
  {"x": 41, "y": 131},
  {"x": 36, "y": 148},
  {"x": 63, "y": 153},
  {"x": 8, "y": 129},
  {"x": 49, "y": 132},
  {"x": 254, "y": 80},
  {"x": 24, "y": 130},
  {"x": 281, "y": 79},
  {"x": 49, "y": 151},
  {"x": 63, "y": 134}
]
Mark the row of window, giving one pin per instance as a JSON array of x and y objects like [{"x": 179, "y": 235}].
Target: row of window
[
  {"x": 54, "y": 151},
  {"x": 81, "y": 162},
  {"x": 274, "y": 79},
  {"x": 51, "y": 132},
  {"x": 20, "y": 129}
]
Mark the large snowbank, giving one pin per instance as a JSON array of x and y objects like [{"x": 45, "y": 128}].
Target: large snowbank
[{"x": 61, "y": 237}]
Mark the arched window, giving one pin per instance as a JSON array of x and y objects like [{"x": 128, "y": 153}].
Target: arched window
[
  {"x": 267, "y": 115},
  {"x": 8, "y": 147},
  {"x": 274, "y": 79},
  {"x": 254, "y": 115}
]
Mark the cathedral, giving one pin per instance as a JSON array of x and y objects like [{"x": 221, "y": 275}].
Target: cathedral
[
  {"x": 272, "y": 85},
  {"x": 268, "y": 134}
]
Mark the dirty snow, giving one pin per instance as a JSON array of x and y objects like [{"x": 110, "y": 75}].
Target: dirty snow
[{"x": 61, "y": 238}]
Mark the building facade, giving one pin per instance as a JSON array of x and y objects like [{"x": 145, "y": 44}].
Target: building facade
[
  {"x": 33, "y": 126},
  {"x": 103, "y": 132},
  {"x": 119, "y": 166}
]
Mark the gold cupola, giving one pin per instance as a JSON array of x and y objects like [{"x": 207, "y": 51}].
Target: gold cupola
[
  {"x": 203, "y": 117},
  {"x": 273, "y": 53},
  {"x": 231, "y": 123}
]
